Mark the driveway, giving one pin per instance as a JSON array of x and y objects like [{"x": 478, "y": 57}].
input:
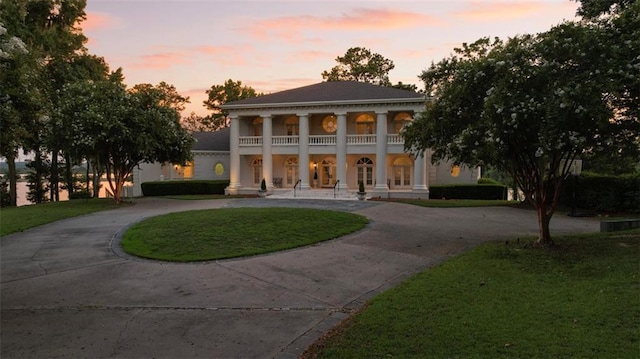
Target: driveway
[{"x": 67, "y": 290}]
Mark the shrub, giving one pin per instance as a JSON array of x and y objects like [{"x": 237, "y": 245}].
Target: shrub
[
  {"x": 485, "y": 180},
  {"x": 80, "y": 194},
  {"x": 168, "y": 188},
  {"x": 263, "y": 185},
  {"x": 479, "y": 191},
  {"x": 361, "y": 187},
  {"x": 603, "y": 193}
]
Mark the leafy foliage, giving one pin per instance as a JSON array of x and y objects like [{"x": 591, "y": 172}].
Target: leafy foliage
[
  {"x": 530, "y": 106},
  {"x": 360, "y": 64},
  {"x": 120, "y": 129},
  {"x": 218, "y": 96}
]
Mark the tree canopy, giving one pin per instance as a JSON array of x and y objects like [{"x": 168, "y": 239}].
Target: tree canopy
[
  {"x": 218, "y": 95},
  {"x": 360, "y": 64},
  {"x": 530, "y": 106},
  {"x": 119, "y": 128}
]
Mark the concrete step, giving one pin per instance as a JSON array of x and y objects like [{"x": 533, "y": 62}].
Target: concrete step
[{"x": 313, "y": 194}]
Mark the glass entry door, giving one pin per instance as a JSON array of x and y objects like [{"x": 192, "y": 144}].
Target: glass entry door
[{"x": 327, "y": 173}]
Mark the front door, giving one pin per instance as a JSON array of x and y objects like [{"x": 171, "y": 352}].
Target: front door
[{"x": 327, "y": 173}]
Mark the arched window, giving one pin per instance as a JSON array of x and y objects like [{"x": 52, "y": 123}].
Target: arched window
[
  {"x": 327, "y": 169},
  {"x": 257, "y": 126},
  {"x": 291, "y": 126},
  {"x": 291, "y": 169},
  {"x": 219, "y": 169},
  {"x": 365, "y": 171},
  {"x": 400, "y": 120},
  {"x": 365, "y": 124},
  {"x": 256, "y": 165},
  {"x": 330, "y": 124},
  {"x": 455, "y": 171},
  {"x": 402, "y": 169}
]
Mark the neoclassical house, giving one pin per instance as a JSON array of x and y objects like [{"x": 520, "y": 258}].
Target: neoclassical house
[
  {"x": 326, "y": 135},
  {"x": 331, "y": 134}
]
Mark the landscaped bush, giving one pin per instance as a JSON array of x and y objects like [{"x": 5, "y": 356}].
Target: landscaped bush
[
  {"x": 82, "y": 194},
  {"x": 603, "y": 193},
  {"x": 485, "y": 180},
  {"x": 168, "y": 188},
  {"x": 479, "y": 191}
]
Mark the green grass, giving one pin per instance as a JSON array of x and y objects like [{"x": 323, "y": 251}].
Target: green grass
[
  {"x": 235, "y": 232},
  {"x": 578, "y": 300},
  {"x": 199, "y": 197},
  {"x": 452, "y": 203},
  {"x": 17, "y": 219}
]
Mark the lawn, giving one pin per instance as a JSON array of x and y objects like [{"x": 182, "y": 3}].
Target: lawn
[
  {"x": 451, "y": 203},
  {"x": 507, "y": 300},
  {"x": 17, "y": 219},
  {"x": 235, "y": 232}
]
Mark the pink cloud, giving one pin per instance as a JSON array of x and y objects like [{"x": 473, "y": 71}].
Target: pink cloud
[
  {"x": 98, "y": 21},
  {"x": 495, "y": 10},
  {"x": 291, "y": 27},
  {"x": 161, "y": 60}
]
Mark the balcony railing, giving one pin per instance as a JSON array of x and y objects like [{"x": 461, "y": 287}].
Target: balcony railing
[
  {"x": 250, "y": 141},
  {"x": 361, "y": 139},
  {"x": 320, "y": 140},
  {"x": 395, "y": 139},
  {"x": 284, "y": 140},
  {"x": 316, "y": 140}
]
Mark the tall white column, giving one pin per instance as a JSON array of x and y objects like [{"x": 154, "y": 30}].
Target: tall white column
[
  {"x": 419, "y": 174},
  {"x": 303, "y": 150},
  {"x": 267, "y": 158},
  {"x": 234, "y": 153},
  {"x": 341, "y": 150},
  {"x": 381, "y": 153}
]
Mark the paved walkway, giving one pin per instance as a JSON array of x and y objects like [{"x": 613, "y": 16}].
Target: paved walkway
[{"x": 66, "y": 292}]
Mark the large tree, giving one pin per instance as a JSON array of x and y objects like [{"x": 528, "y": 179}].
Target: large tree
[
  {"x": 119, "y": 128},
  {"x": 218, "y": 95},
  {"x": 528, "y": 106},
  {"x": 362, "y": 65}
]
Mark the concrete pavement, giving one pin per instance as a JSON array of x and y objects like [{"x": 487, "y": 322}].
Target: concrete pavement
[{"x": 68, "y": 291}]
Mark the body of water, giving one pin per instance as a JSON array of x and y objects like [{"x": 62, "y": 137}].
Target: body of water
[{"x": 22, "y": 190}]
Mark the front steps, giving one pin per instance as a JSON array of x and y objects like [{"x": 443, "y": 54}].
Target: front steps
[{"x": 322, "y": 193}]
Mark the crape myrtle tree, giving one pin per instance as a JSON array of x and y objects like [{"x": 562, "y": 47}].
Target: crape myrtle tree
[
  {"x": 119, "y": 128},
  {"x": 528, "y": 106},
  {"x": 218, "y": 95}
]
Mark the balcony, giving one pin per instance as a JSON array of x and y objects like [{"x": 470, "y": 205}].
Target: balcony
[{"x": 319, "y": 140}]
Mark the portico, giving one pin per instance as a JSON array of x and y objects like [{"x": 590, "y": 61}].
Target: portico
[{"x": 331, "y": 134}]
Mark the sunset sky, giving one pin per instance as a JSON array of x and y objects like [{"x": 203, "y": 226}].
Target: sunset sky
[{"x": 278, "y": 45}]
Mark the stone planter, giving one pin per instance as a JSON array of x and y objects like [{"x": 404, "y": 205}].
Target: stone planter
[{"x": 361, "y": 195}]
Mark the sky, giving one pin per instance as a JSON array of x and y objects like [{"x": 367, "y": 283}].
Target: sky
[{"x": 278, "y": 45}]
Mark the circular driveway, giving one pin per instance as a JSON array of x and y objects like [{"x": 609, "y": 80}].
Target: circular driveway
[{"x": 68, "y": 291}]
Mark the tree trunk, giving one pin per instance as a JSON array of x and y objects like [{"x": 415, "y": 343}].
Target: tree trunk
[
  {"x": 13, "y": 179},
  {"x": 54, "y": 185},
  {"x": 544, "y": 218},
  {"x": 68, "y": 174}
]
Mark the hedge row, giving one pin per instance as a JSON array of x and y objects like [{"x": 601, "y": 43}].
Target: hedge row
[
  {"x": 603, "y": 193},
  {"x": 472, "y": 191},
  {"x": 170, "y": 188}
]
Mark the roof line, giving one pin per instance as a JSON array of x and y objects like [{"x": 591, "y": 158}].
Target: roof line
[{"x": 333, "y": 102}]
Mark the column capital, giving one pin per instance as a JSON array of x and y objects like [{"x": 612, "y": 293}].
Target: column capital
[
  {"x": 340, "y": 113},
  {"x": 383, "y": 112},
  {"x": 302, "y": 114},
  {"x": 264, "y": 116}
]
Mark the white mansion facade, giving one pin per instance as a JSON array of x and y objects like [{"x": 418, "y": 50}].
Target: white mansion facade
[{"x": 326, "y": 135}]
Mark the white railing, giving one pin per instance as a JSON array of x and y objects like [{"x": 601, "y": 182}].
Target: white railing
[
  {"x": 322, "y": 140},
  {"x": 284, "y": 140},
  {"x": 361, "y": 139},
  {"x": 250, "y": 140},
  {"x": 395, "y": 139}
]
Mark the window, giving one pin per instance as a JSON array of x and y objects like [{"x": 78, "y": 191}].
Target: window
[
  {"x": 291, "y": 169},
  {"x": 291, "y": 126},
  {"x": 219, "y": 169},
  {"x": 256, "y": 165},
  {"x": 400, "y": 120},
  {"x": 330, "y": 124},
  {"x": 365, "y": 171},
  {"x": 402, "y": 169},
  {"x": 455, "y": 171},
  {"x": 257, "y": 126},
  {"x": 365, "y": 124}
]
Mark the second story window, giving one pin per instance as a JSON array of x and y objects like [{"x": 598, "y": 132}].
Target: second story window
[
  {"x": 291, "y": 125},
  {"x": 257, "y": 126},
  {"x": 400, "y": 120},
  {"x": 365, "y": 124}
]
